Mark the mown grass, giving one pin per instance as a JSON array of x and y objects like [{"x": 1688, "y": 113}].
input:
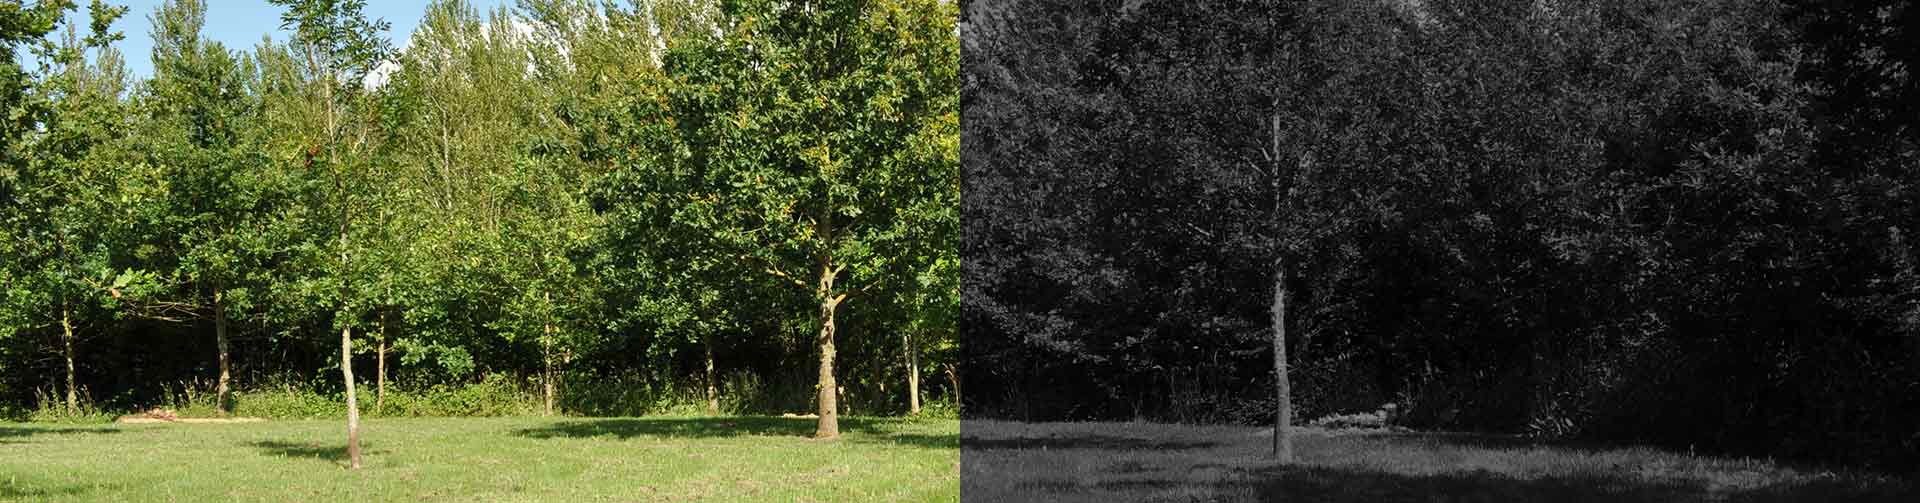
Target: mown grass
[
  {"x": 1098, "y": 462},
  {"x": 485, "y": 459}
]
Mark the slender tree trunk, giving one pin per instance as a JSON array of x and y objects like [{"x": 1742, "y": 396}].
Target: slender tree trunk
[
  {"x": 380, "y": 363},
  {"x": 353, "y": 406},
  {"x": 1283, "y": 388},
  {"x": 829, "y": 426},
  {"x": 713, "y": 388},
  {"x": 913, "y": 375},
  {"x": 546, "y": 357},
  {"x": 546, "y": 351},
  {"x": 953, "y": 376},
  {"x": 1283, "y": 391},
  {"x": 566, "y": 361},
  {"x": 224, "y": 390},
  {"x": 66, "y": 327},
  {"x": 346, "y": 332}
]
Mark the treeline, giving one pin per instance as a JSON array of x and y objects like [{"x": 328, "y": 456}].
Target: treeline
[
  {"x": 1687, "y": 223},
  {"x": 612, "y": 207}
]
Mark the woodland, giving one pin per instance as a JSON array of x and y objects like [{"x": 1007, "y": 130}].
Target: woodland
[
  {"x": 556, "y": 207},
  {"x": 1678, "y": 223}
]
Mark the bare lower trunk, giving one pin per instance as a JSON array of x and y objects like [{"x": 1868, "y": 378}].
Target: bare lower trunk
[
  {"x": 953, "y": 377},
  {"x": 380, "y": 369},
  {"x": 66, "y": 326},
  {"x": 346, "y": 375},
  {"x": 546, "y": 357},
  {"x": 713, "y": 388},
  {"x": 829, "y": 400},
  {"x": 1283, "y": 392},
  {"x": 913, "y": 376},
  {"x": 224, "y": 390},
  {"x": 353, "y": 406}
]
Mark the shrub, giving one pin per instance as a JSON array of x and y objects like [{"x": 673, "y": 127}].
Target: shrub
[{"x": 51, "y": 407}]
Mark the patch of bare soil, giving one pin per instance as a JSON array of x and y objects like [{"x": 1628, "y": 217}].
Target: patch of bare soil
[{"x": 169, "y": 416}]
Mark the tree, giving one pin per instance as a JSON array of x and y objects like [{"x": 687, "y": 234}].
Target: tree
[
  {"x": 71, "y": 244},
  {"x": 219, "y": 197},
  {"x": 341, "y": 46},
  {"x": 794, "y": 135}
]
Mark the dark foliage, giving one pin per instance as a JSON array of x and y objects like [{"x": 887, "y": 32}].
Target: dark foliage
[{"x": 1681, "y": 223}]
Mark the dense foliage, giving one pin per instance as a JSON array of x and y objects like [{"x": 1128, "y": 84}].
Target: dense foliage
[
  {"x": 1685, "y": 223},
  {"x": 569, "y": 200}
]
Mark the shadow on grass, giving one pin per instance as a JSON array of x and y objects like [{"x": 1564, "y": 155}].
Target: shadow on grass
[
  {"x": 1129, "y": 469},
  {"x": 13, "y": 432},
  {"x": 1103, "y": 442},
  {"x": 861, "y": 430},
  {"x": 14, "y": 491},
  {"x": 1495, "y": 441},
  {"x": 333, "y": 454},
  {"x": 1343, "y": 485}
]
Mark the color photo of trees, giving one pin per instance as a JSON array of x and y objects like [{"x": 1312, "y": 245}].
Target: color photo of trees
[{"x": 544, "y": 207}]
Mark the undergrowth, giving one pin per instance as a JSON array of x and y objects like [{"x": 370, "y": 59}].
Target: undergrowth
[{"x": 494, "y": 395}]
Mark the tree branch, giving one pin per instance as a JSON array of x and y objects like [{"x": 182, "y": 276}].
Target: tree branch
[{"x": 770, "y": 268}]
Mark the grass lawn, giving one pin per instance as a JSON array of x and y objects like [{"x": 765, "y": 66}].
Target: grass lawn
[
  {"x": 485, "y": 459},
  {"x": 1100, "y": 462}
]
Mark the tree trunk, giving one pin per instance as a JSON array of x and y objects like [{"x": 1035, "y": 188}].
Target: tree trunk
[
  {"x": 380, "y": 365},
  {"x": 224, "y": 390},
  {"x": 713, "y": 389},
  {"x": 913, "y": 375},
  {"x": 1283, "y": 392},
  {"x": 353, "y": 406},
  {"x": 66, "y": 326},
  {"x": 546, "y": 373},
  {"x": 339, "y": 189},
  {"x": 829, "y": 400},
  {"x": 953, "y": 376}
]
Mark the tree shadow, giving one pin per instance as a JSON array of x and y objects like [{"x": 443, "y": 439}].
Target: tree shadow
[
  {"x": 1385, "y": 467},
  {"x": 1353, "y": 485},
  {"x": 12, "y": 432},
  {"x": 15, "y": 491},
  {"x": 1103, "y": 442},
  {"x": 332, "y": 454},
  {"x": 1343, "y": 484},
  {"x": 1497, "y": 441},
  {"x": 869, "y": 430}
]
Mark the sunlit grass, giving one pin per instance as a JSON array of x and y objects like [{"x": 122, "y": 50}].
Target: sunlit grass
[
  {"x": 485, "y": 459},
  {"x": 1091, "y": 462}
]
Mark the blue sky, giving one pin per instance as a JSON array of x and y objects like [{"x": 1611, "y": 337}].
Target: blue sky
[{"x": 239, "y": 24}]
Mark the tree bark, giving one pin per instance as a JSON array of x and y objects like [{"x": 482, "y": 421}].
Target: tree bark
[
  {"x": 380, "y": 363},
  {"x": 546, "y": 351},
  {"x": 1283, "y": 391},
  {"x": 953, "y": 376},
  {"x": 913, "y": 375},
  {"x": 66, "y": 326},
  {"x": 353, "y": 406},
  {"x": 829, "y": 425},
  {"x": 713, "y": 388},
  {"x": 1283, "y": 388},
  {"x": 224, "y": 390},
  {"x": 546, "y": 373}
]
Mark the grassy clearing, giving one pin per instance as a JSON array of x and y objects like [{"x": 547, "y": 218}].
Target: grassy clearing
[
  {"x": 485, "y": 459},
  {"x": 1099, "y": 462}
]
